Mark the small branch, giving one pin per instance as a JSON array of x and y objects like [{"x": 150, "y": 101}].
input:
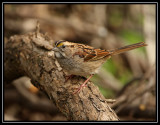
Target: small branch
[{"x": 128, "y": 96}]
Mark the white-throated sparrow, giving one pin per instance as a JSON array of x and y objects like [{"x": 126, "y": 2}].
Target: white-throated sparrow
[{"x": 84, "y": 60}]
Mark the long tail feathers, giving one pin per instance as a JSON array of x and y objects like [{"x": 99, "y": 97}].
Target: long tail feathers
[{"x": 127, "y": 48}]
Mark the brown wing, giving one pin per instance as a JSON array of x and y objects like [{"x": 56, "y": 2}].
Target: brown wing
[
  {"x": 91, "y": 54},
  {"x": 96, "y": 54}
]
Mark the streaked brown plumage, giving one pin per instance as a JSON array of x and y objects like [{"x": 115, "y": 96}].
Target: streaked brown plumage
[{"x": 84, "y": 60}]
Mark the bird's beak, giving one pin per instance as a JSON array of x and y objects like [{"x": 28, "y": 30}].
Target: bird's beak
[{"x": 55, "y": 49}]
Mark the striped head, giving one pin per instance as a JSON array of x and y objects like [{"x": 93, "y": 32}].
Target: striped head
[{"x": 61, "y": 47}]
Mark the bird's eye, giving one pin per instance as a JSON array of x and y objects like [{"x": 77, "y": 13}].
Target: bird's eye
[{"x": 63, "y": 46}]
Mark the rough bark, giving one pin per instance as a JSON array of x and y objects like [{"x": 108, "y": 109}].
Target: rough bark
[{"x": 30, "y": 55}]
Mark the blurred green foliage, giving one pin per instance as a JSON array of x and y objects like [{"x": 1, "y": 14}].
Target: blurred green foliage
[
  {"x": 129, "y": 36},
  {"x": 110, "y": 66},
  {"x": 107, "y": 92}
]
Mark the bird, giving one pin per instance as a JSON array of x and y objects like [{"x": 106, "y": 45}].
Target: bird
[{"x": 84, "y": 60}]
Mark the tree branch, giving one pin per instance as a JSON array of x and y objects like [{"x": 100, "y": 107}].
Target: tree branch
[{"x": 30, "y": 55}]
